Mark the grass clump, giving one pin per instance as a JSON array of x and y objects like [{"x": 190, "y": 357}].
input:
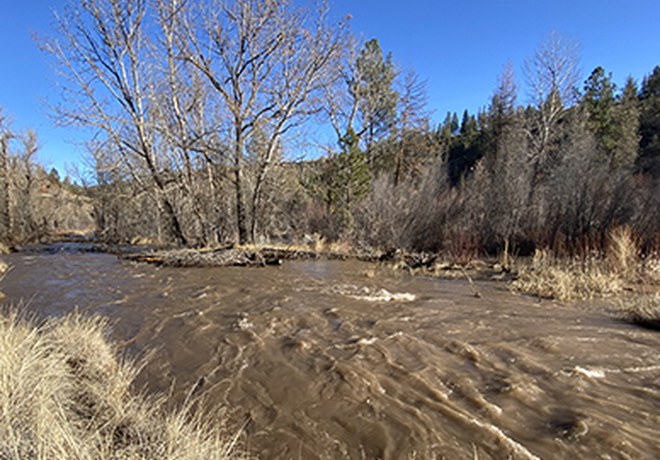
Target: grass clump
[
  {"x": 643, "y": 310},
  {"x": 619, "y": 268},
  {"x": 64, "y": 394},
  {"x": 551, "y": 278},
  {"x": 622, "y": 253}
]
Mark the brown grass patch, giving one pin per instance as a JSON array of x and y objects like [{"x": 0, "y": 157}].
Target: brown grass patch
[
  {"x": 552, "y": 278},
  {"x": 64, "y": 394},
  {"x": 619, "y": 269},
  {"x": 622, "y": 253},
  {"x": 643, "y": 310}
]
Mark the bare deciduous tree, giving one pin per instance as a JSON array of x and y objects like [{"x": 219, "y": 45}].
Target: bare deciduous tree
[
  {"x": 552, "y": 75},
  {"x": 413, "y": 120},
  {"x": 106, "y": 56},
  {"x": 5, "y": 135},
  {"x": 267, "y": 62}
]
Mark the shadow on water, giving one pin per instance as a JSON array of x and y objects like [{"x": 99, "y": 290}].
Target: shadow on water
[{"x": 318, "y": 360}]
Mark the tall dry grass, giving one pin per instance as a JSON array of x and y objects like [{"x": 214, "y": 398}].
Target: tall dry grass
[
  {"x": 552, "y": 278},
  {"x": 643, "y": 310},
  {"x": 64, "y": 394},
  {"x": 622, "y": 253},
  {"x": 619, "y": 268}
]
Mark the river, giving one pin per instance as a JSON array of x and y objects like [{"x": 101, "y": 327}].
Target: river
[{"x": 331, "y": 359}]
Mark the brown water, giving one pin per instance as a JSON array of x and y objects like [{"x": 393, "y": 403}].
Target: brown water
[{"x": 318, "y": 360}]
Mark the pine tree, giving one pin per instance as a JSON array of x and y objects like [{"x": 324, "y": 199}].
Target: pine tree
[
  {"x": 503, "y": 103},
  {"x": 454, "y": 123},
  {"x": 599, "y": 104},
  {"x": 372, "y": 88},
  {"x": 649, "y": 124},
  {"x": 626, "y": 117},
  {"x": 347, "y": 180},
  {"x": 445, "y": 135},
  {"x": 445, "y": 130},
  {"x": 469, "y": 127}
]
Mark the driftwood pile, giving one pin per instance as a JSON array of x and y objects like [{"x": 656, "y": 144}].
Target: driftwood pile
[{"x": 229, "y": 257}]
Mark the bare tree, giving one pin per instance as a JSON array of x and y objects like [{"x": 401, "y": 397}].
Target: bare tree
[
  {"x": 106, "y": 56},
  {"x": 25, "y": 201},
  {"x": 552, "y": 75},
  {"x": 413, "y": 119},
  {"x": 267, "y": 61},
  {"x": 503, "y": 182},
  {"x": 186, "y": 124},
  {"x": 5, "y": 135}
]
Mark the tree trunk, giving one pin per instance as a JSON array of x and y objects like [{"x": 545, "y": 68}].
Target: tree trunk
[
  {"x": 241, "y": 216},
  {"x": 6, "y": 223},
  {"x": 175, "y": 226}
]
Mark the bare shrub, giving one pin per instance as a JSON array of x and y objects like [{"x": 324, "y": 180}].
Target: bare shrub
[
  {"x": 383, "y": 217},
  {"x": 440, "y": 213},
  {"x": 650, "y": 268}
]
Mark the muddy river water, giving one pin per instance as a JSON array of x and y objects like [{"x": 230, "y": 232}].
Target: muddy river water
[{"x": 329, "y": 359}]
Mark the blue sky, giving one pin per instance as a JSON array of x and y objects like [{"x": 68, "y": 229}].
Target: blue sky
[{"x": 458, "y": 47}]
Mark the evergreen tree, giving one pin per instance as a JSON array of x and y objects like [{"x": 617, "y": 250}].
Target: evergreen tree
[
  {"x": 599, "y": 104},
  {"x": 503, "y": 103},
  {"x": 54, "y": 176},
  {"x": 649, "y": 124},
  {"x": 626, "y": 116},
  {"x": 348, "y": 181},
  {"x": 454, "y": 124},
  {"x": 445, "y": 135},
  {"x": 469, "y": 127},
  {"x": 466, "y": 150},
  {"x": 372, "y": 88}
]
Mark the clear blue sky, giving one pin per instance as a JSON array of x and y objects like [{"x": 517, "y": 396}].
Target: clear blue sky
[{"x": 458, "y": 47}]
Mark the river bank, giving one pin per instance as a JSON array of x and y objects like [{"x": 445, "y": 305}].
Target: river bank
[{"x": 619, "y": 273}]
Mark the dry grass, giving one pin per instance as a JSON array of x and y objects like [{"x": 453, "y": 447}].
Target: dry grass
[
  {"x": 65, "y": 395},
  {"x": 619, "y": 269},
  {"x": 643, "y": 310},
  {"x": 622, "y": 253},
  {"x": 4, "y": 268},
  {"x": 551, "y": 278}
]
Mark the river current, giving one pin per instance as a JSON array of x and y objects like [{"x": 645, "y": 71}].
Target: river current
[{"x": 331, "y": 359}]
